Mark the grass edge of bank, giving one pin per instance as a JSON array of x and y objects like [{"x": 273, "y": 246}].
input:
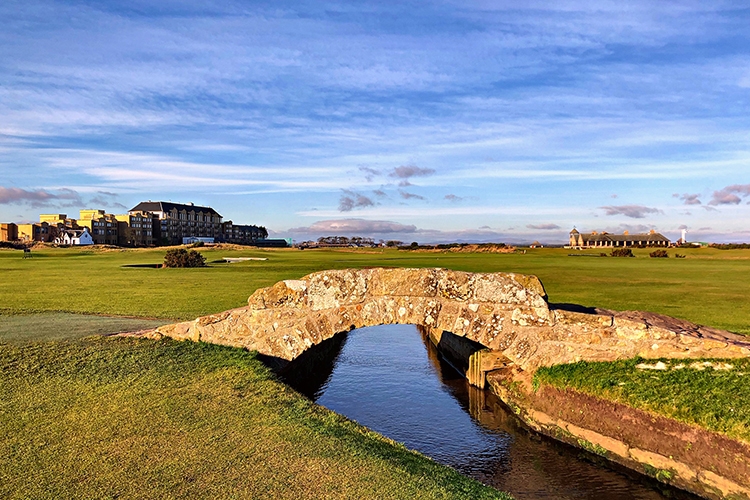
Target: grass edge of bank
[{"x": 689, "y": 391}]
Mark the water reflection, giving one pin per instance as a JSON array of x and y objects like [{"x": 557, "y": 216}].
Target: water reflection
[{"x": 393, "y": 380}]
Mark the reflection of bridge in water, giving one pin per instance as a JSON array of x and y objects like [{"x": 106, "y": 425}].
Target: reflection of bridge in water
[{"x": 409, "y": 392}]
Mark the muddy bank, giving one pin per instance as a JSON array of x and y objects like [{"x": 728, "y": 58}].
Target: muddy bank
[{"x": 703, "y": 462}]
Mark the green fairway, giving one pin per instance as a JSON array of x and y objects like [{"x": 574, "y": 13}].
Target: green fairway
[
  {"x": 129, "y": 418},
  {"x": 65, "y": 326},
  {"x": 710, "y": 393},
  {"x": 709, "y": 286}
]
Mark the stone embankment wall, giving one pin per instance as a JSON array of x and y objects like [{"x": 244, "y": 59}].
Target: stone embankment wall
[
  {"x": 507, "y": 313},
  {"x": 697, "y": 460}
]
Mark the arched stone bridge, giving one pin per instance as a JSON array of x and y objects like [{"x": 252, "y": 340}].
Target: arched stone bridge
[{"x": 507, "y": 313}]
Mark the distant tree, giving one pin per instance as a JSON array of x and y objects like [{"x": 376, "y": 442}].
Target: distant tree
[
  {"x": 622, "y": 252},
  {"x": 393, "y": 243},
  {"x": 729, "y": 246},
  {"x": 414, "y": 244},
  {"x": 263, "y": 232},
  {"x": 180, "y": 257}
]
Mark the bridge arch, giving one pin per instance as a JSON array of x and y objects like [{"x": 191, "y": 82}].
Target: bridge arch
[{"x": 505, "y": 312}]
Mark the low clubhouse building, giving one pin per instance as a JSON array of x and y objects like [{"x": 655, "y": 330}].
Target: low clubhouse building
[{"x": 609, "y": 240}]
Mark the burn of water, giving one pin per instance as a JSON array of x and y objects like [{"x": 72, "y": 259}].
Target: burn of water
[{"x": 393, "y": 380}]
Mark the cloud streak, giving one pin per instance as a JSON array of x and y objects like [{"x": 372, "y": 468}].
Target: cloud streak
[
  {"x": 730, "y": 195},
  {"x": 410, "y": 196},
  {"x": 351, "y": 200},
  {"x": 689, "y": 199},
  {"x": 409, "y": 171},
  {"x": 632, "y": 211},
  {"x": 40, "y": 198}
]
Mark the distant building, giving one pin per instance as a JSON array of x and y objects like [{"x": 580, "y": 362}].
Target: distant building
[
  {"x": 56, "y": 219},
  {"x": 74, "y": 237},
  {"x": 8, "y": 232},
  {"x": 178, "y": 221},
  {"x": 609, "y": 240},
  {"x": 147, "y": 224},
  {"x": 242, "y": 234},
  {"x": 42, "y": 231},
  {"x": 138, "y": 229},
  {"x": 102, "y": 226}
]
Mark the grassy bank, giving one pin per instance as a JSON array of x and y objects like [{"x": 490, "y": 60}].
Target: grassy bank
[
  {"x": 712, "y": 394},
  {"x": 127, "y": 418},
  {"x": 707, "y": 287}
]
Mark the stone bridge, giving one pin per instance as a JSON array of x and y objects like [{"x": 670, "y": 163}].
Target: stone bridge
[{"x": 506, "y": 313}]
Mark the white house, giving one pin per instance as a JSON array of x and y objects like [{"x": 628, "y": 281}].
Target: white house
[{"x": 75, "y": 237}]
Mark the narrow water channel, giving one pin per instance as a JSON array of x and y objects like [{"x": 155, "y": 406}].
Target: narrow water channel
[{"x": 392, "y": 380}]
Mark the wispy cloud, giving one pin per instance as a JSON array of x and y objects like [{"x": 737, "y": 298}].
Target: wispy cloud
[
  {"x": 633, "y": 211},
  {"x": 40, "y": 198},
  {"x": 409, "y": 171},
  {"x": 351, "y": 200},
  {"x": 730, "y": 195},
  {"x": 370, "y": 173},
  {"x": 410, "y": 196},
  {"x": 543, "y": 227},
  {"x": 688, "y": 199}
]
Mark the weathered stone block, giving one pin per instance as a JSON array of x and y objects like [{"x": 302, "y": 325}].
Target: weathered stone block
[
  {"x": 404, "y": 282},
  {"x": 453, "y": 285},
  {"x": 629, "y": 329},
  {"x": 724, "y": 485},
  {"x": 664, "y": 463},
  {"x": 290, "y": 293},
  {"x": 582, "y": 320},
  {"x": 329, "y": 289},
  {"x": 610, "y": 444}
]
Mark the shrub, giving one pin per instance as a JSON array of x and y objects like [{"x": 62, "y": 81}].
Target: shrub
[
  {"x": 622, "y": 252},
  {"x": 659, "y": 253},
  {"x": 12, "y": 244},
  {"x": 679, "y": 256},
  {"x": 197, "y": 244},
  {"x": 179, "y": 257}
]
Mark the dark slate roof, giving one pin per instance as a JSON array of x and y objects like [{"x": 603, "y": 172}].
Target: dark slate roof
[{"x": 168, "y": 206}]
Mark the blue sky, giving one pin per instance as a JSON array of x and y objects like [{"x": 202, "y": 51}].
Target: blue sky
[{"x": 428, "y": 121}]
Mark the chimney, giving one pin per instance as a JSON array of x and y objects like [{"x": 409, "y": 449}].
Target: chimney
[
  {"x": 653, "y": 231},
  {"x": 626, "y": 233}
]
